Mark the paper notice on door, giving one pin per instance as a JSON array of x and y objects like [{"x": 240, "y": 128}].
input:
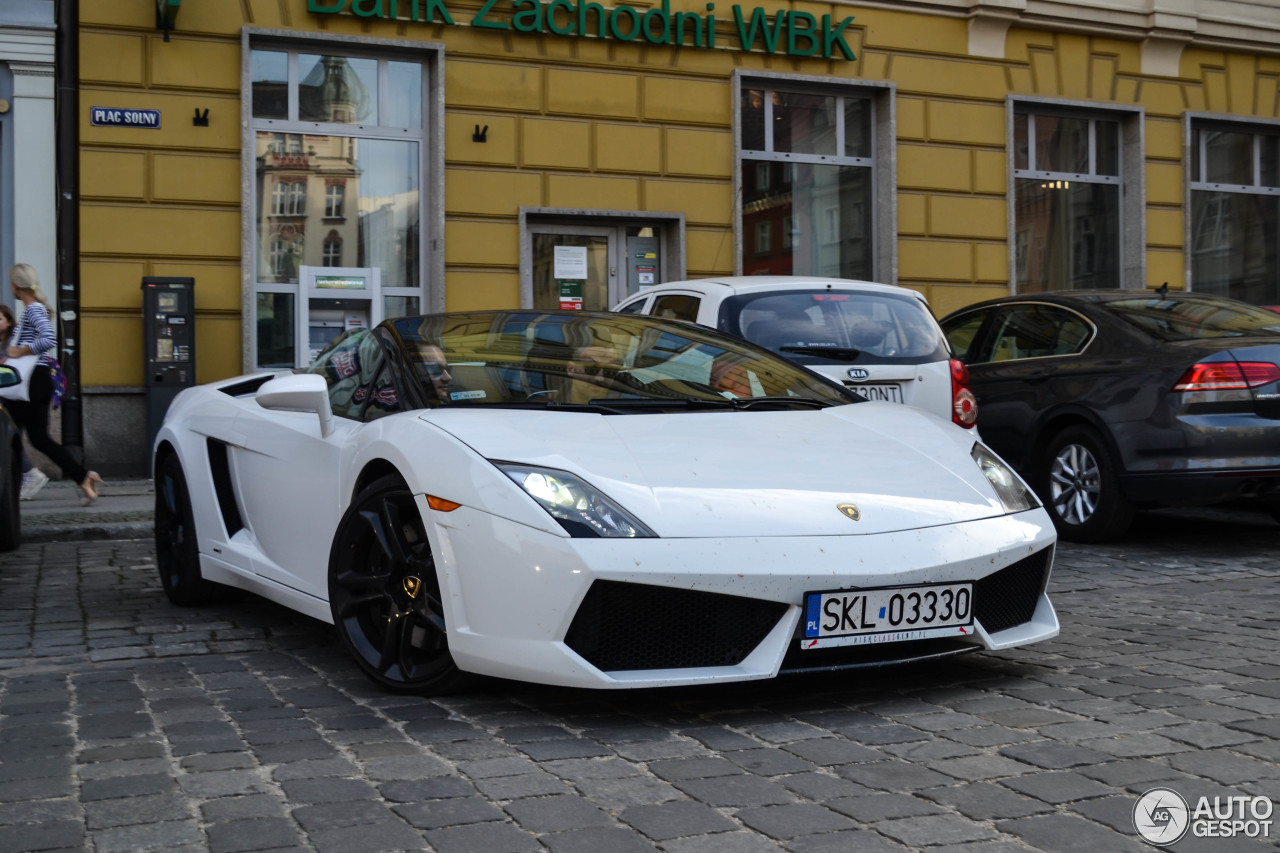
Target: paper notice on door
[{"x": 570, "y": 262}]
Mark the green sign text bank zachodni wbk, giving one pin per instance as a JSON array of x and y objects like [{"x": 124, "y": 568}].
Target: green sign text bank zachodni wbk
[{"x": 789, "y": 33}]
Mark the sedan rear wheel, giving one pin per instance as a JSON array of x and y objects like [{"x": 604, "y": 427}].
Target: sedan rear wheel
[
  {"x": 1081, "y": 489},
  {"x": 385, "y": 596}
]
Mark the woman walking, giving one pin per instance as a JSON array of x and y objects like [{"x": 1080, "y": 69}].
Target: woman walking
[
  {"x": 35, "y": 337},
  {"x": 33, "y": 479}
]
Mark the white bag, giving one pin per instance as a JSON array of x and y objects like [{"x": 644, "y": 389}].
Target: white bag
[{"x": 25, "y": 365}]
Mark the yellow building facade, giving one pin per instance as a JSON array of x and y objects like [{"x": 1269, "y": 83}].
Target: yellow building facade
[{"x": 960, "y": 148}]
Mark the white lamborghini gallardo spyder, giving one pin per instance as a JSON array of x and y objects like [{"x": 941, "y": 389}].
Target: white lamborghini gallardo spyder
[{"x": 595, "y": 500}]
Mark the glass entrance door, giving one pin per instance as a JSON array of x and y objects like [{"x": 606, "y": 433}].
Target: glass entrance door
[
  {"x": 591, "y": 263},
  {"x": 575, "y": 268}
]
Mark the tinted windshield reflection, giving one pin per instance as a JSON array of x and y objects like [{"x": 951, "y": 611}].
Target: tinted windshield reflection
[
  {"x": 540, "y": 358},
  {"x": 863, "y": 327},
  {"x": 1185, "y": 320}
]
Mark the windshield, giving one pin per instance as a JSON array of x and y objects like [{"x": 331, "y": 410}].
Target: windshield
[
  {"x": 615, "y": 362},
  {"x": 862, "y": 326},
  {"x": 1195, "y": 319}
]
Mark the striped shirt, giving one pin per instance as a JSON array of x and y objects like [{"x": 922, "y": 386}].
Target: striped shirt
[{"x": 36, "y": 332}]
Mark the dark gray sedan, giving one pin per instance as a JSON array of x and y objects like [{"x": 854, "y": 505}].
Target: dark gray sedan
[{"x": 1111, "y": 401}]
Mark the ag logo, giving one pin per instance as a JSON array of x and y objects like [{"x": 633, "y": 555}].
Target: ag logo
[
  {"x": 1161, "y": 816},
  {"x": 412, "y": 586},
  {"x": 850, "y": 510},
  {"x": 859, "y": 374}
]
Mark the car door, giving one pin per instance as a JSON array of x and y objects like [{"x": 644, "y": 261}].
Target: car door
[
  {"x": 1021, "y": 357},
  {"x": 294, "y": 482}
]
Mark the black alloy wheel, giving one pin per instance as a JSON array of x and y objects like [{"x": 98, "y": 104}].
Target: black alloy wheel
[
  {"x": 1081, "y": 489},
  {"x": 177, "y": 549},
  {"x": 385, "y": 596},
  {"x": 10, "y": 492}
]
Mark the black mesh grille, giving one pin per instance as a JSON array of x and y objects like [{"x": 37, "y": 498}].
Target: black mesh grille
[
  {"x": 1008, "y": 597},
  {"x": 623, "y": 626},
  {"x": 799, "y": 659}
]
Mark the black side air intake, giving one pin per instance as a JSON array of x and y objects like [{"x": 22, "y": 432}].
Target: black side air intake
[{"x": 220, "y": 469}]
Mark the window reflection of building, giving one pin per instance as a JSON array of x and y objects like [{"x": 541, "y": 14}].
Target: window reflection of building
[
  {"x": 1235, "y": 211},
  {"x": 1067, "y": 202},
  {"x": 764, "y": 237},
  {"x": 333, "y": 250},
  {"x": 334, "y": 194},
  {"x": 339, "y": 155},
  {"x": 389, "y": 237},
  {"x": 806, "y": 175},
  {"x": 283, "y": 257},
  {"x": 337, "y": 89},
  {"x": 301, "y": 187},
  {"x": 766, "y": 200}
]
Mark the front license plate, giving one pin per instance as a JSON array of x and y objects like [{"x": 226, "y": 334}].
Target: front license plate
[
  {"x": 855, "y": 617},
  {"x": 883, "y": 393}
]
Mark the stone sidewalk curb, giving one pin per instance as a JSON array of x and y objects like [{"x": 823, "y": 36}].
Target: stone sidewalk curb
[
  {"x": 32, "y": 533},
  {"x": 123, "y": 511}
]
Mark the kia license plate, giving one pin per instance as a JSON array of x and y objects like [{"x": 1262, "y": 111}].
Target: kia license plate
[{"x": 883, "y": 393}]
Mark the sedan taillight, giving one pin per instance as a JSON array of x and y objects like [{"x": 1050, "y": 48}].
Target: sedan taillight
[
  {"x": 964, "y": 406},
  {"x": 1228, "y": 376}
]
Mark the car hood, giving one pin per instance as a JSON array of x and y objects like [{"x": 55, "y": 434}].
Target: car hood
[{"x": 750, "y": 473}]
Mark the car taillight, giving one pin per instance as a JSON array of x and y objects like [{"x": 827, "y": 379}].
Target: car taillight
[
  {"x": 1228, "y": 376},
  {"x": 964, "y": 406}
]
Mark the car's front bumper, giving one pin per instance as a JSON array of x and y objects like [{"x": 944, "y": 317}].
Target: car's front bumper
[{"x": 513, "y": 592}]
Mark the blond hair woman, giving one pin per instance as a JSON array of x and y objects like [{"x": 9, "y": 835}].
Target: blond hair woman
[{"x": 35, "y": 336}]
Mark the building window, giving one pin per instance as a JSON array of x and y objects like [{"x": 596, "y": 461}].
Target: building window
[
  {"x": 762, "y": 175},
  {"x": 807, "y": 161},
  {"x": 764, "y": 238},
  {"x": 279, "y": 198},
  {"x": 333, "y": 250},
  {"x": 289, "y": 196},
  {"x": 297, "y": 198},
  {"x": 282, "y": 259},
  {"x": 333, "y": 196},
  {"x": 1235, "y": 211},
  {"x": 348, "y": 131},
  {"x": 1068, "y": 201}
]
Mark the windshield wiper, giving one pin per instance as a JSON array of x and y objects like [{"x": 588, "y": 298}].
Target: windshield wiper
[
  {"x": 823, "y": 351},
  {"x": 740, "y": 404},
  {"x": 780, "y": 400},
  {"x": 628, "y": 405},
  {"x": 637, "y": 405},
  {"x": 531, "y": 403}
]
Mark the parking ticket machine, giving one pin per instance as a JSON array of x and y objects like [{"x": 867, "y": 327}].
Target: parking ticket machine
[
  {"x": 169, "y": 343},
  {"x": 333, "y": 300}
]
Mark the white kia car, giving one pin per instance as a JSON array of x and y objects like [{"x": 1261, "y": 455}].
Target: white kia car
[
  {"x": 597, "y": 500},
  {"x": 879, "y": 340}
]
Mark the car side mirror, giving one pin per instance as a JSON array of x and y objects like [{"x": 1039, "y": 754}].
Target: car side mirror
[
  {"x": 9, "y": 376},
  {"x": 299, "y": 392}
]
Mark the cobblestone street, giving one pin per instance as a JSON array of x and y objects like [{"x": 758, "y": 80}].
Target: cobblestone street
[{"x": 128, "y": 724}]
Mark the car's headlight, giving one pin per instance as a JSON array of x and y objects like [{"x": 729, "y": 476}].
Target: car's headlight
[
  {"x": 580, "y": 509},
  {"x": 1009, "y": 488}
]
